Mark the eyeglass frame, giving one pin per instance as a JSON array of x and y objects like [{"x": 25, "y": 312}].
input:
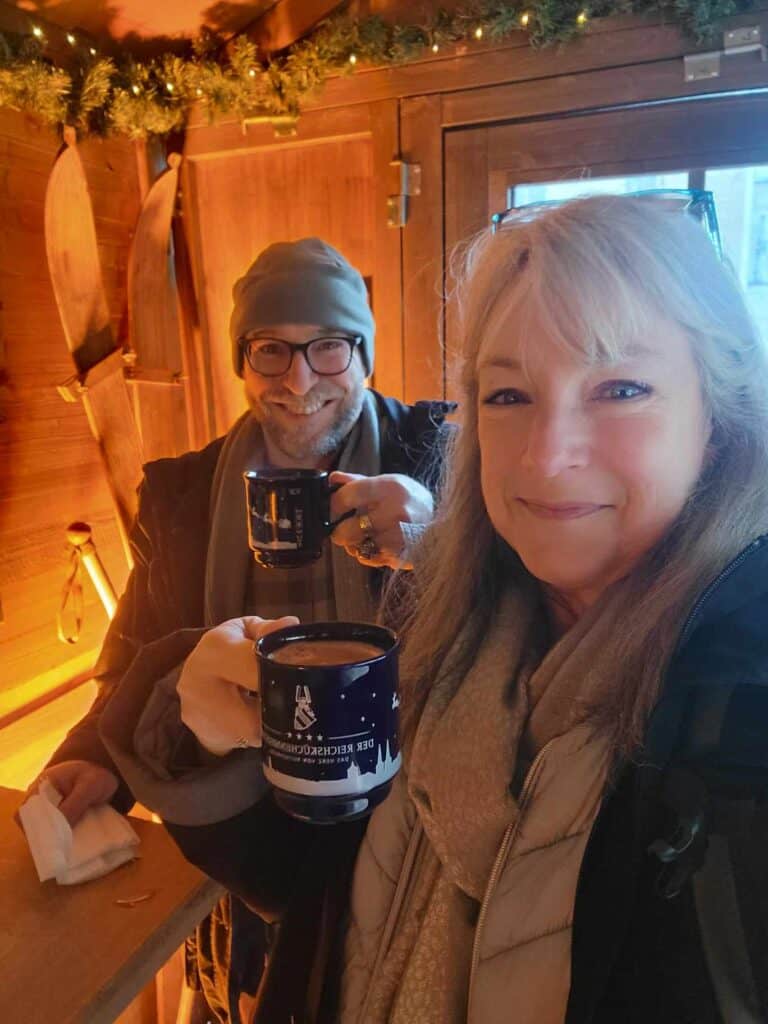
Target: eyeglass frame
[
  {"x": 354, "y": 341},
  {"x": 701, "y": 200}
]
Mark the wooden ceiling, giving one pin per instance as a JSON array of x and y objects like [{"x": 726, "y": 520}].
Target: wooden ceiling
[
  {"x": 146, "y": 18},
  {"x": 134, "y": 21}
]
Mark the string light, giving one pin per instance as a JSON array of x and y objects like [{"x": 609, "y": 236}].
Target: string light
[
  {"x": 435, "y": 48},
  {"x": 479, "y": 32},
  {"x": 135, "y": 90},
  {"x": 198, "y": 91},
  {"x": 525, "y": 18},
  {"x": 353, "y": 58},
  {"x": 169, "y": 86},
  {"x": 37, "y": 32},
  {"x": 252, "y": 73},
  {"x": 71, "y": 39},
  {"x": 581, "y": 18},
  {"x": 92, "y": 51}
]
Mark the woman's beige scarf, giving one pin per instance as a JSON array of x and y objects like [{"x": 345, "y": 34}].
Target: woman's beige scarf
[{"x": 475, "y": 739}]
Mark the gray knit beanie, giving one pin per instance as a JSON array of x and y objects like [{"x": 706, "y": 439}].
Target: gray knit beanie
[{"x": 304, "y": 282}]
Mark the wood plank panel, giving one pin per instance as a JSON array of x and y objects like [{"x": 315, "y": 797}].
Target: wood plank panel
[
  {"x": 421, "y": 139},
  {"x": 685, "y": 131},
  {"x": 389, "y": 368},
  {"x": 232, "y": 137},
  {"x": 656, "y": 80},
  {"x": 466, "y": 212}
]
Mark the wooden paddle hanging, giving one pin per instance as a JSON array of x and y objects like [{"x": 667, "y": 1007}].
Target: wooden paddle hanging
[{"x": 99, "y": 380}]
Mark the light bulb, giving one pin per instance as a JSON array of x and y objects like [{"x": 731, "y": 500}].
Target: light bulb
[
  {"x": 135, "y": 90},
  {"x": 435, "y": 48},
  {"x": 71, "y": 39},
  {"x": 169, "y": 86},
  {"x": 525, "y": 18},
  {"x": 37, "y": 32},
  {"x": 479, "y": 32},
  {"x": 352, "y": 58}
]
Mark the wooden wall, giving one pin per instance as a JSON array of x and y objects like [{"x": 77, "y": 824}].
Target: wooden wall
[{"x": 50, "y": 473}]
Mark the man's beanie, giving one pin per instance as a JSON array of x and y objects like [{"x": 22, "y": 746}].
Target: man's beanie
[{"x": 304, "y": 282}]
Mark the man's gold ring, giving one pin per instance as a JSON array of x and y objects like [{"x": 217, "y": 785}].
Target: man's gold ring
[
  {"x": 365, "y": 524},
  {"x": 368, "y": 548}
]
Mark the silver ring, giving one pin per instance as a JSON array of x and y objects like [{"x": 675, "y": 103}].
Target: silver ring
[
  {"x": 368, "y": 548},
  {"x": 365, "y": 524}
]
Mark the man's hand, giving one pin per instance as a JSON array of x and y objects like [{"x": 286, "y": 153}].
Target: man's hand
[
  {"x": 82, "y": 784},
  {"x": 382, "y": 504},
  {"x": 218, "y": 684}
]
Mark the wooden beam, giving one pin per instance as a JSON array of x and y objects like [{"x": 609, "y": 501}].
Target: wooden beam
[{"x": 288, "y": 21}]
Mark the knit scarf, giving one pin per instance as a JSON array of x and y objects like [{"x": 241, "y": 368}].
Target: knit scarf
[
  {"x": 475, "y": 740},
  {"x": 229, "y": 561}
]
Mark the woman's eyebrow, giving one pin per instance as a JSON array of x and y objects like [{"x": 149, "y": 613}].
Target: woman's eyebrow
[{"x": 499, "y": 362}]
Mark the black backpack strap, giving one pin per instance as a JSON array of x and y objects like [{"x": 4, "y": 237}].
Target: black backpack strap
[
  {"x": 414, "y": 437},
  {"x": 711, "y": 759}
]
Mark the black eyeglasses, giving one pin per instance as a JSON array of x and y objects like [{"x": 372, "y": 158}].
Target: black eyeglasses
[
  {"x": 326, "y": 356},
  {"x": 698, "y": 203}
]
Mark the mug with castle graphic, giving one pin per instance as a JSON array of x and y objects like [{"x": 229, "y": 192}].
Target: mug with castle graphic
[{"x": 329, "y": 700}]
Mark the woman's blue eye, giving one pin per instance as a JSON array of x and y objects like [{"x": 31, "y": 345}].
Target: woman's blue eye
[
  {"x": 623, "y": 390},
  {"x": 504, "y": 396}
]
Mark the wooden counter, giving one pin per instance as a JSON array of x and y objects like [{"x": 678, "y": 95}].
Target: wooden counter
[{"x": 72, "y": 954}]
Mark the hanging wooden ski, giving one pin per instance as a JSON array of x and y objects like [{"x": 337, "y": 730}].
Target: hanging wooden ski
[{"x": 73, "y": 262}]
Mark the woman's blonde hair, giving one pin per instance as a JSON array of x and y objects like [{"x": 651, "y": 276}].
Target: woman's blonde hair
[{"x": 596, "y": 273}]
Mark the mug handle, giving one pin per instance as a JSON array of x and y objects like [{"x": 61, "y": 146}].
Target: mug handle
[{"x": 331, "y": 524}]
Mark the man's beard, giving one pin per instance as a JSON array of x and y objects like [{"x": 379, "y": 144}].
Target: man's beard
[{"x": 297, "y": 444}]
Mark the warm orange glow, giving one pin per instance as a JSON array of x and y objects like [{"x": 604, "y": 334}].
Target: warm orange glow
[
  {"x": 28, "y": 691},
  {"x": 26, "y": 745}
]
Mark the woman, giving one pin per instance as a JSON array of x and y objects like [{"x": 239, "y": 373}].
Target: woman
[
  {"x": 611, "y": 463},
  {"x": 599, "y": 550}
]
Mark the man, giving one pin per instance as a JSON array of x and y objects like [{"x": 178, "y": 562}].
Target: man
[{"x": 302, "y": 340}]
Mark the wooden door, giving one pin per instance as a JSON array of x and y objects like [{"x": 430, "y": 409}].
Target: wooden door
[{"x": 485, "y": 165}]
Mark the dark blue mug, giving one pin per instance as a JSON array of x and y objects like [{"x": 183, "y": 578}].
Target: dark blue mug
[
  {"x": 329, "y": 717},
  {"x": 289, "y": 515}
]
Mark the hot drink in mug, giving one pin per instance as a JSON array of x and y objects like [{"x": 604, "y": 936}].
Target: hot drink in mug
[{"x": 329, "y": 707}]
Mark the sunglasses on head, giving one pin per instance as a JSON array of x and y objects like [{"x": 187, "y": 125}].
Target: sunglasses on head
[{"x": 695, "y": 202}]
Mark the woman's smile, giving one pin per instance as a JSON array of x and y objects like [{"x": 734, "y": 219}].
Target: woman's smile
[{"x": 560, "y": 510}]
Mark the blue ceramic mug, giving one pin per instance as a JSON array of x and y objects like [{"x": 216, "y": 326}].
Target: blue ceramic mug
[{"x": 329, "y": 707}]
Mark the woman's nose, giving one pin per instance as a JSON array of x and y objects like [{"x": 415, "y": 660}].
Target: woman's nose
[
  {"x": 300, "y": 376},
  {"x": 557, "y": 440}
]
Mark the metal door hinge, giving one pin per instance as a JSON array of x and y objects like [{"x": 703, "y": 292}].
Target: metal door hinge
[
  {"x": 406, "y": 181},
  {"x": 698, "y": 66}
]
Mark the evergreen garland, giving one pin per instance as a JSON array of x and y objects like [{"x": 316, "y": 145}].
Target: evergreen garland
[{"x": 97, "y": 94}]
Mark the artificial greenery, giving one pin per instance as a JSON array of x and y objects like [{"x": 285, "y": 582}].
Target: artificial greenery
[{"x": 98, "y": 94}]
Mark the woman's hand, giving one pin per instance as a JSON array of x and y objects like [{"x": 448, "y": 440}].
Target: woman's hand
[
  {"x": 82, "y": 784},
  {"x": 218, "y": 684},
  {"x": 382, "y": 504}
]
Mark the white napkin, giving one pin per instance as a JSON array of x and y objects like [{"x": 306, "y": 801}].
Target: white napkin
[{"x": 99, "y": 842}]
